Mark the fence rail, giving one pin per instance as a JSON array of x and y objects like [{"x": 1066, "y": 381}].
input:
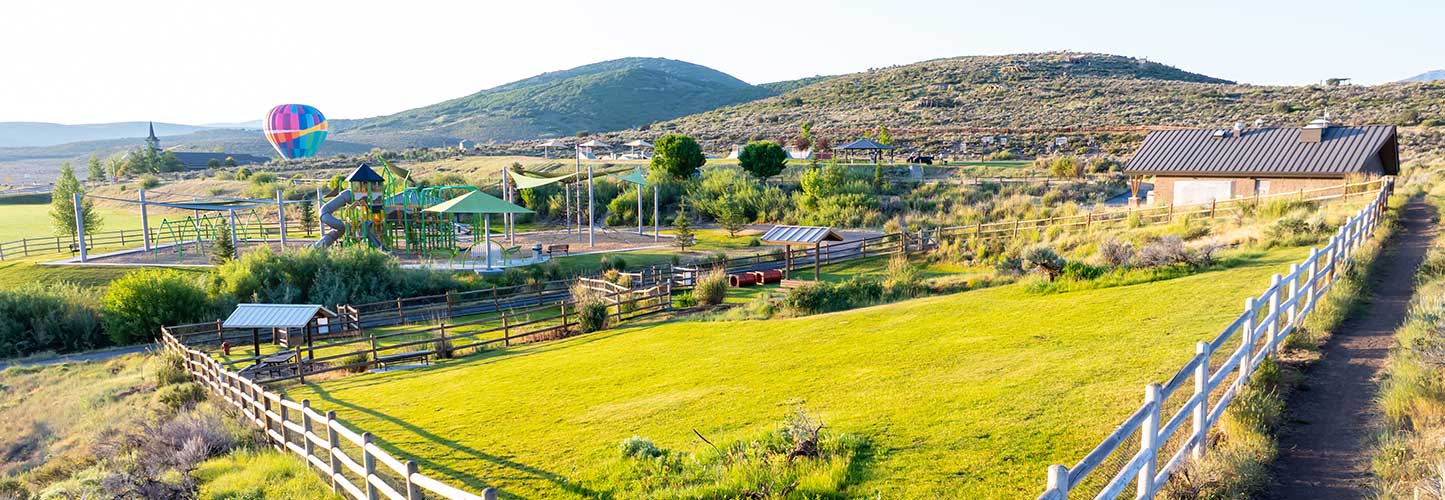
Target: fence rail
[
  {"x": 1170, "y": 432},
  {"x": 319, "y": 438},
  {"x": 293, "y": 426}
]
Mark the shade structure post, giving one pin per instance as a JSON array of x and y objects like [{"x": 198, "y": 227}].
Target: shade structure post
[
  {"x": 578, "y": 172},
  {"x": 654, "y": 213},
  {"x": 567, "y": 205},
  {"x": 281, "y": 216},
  {"x": 591, "y": 238},
  {"x": 506, "y": 196},
  {"x": 234, "y": 241},
  {"x": 817, "y": 259},
  {"x": 487, "y": 235},
  {"x": 145, "y": 222},
  {"x": 79, "y": 226},
  {"x": 639, "y": 210},
  {"x": 319, "y": 226}
]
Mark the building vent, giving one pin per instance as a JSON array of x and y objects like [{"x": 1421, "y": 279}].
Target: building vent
[
  {"x": 1315, "y": 130},
  {"x": 1238, "y": 129}
]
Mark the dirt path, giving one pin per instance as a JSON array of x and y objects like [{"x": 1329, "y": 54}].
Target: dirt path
[{"x": 1324, "y": 449}]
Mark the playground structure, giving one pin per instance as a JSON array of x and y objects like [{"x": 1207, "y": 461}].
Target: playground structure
[{"x": 185, "y": 239}]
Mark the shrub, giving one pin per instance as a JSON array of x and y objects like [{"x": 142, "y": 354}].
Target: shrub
[
  {"x": 711, "y": 288},
  {"x": 1116, "y": 254},
  {"x": 684, "y": 300},
  {"x": 139, "y": 303},
  {"x": 38, "y": 317},
  {"x": 244, "y": 173},
  {"x": 1080, "y": 271},
  {"x": 1000, "y": 156},
  {"x": 638, "y": 447},
  {"x": 1043, "y": 260},
  {"x": 148, "y": 181},
  {"x": 1167, "y": 251},
  {"x": 355, "y": 360},
  {"x": 903, "y": 279},
  {"x": 590, "y": 308},
  {"x": 263, "y": 178},
  {"x": 182, "y": 395},
  {"x": 172, "y": 369},
  {"x": 822, "y": 297}
]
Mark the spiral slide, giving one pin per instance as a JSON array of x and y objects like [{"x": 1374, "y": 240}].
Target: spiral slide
[{"x": 337, "y": 227}]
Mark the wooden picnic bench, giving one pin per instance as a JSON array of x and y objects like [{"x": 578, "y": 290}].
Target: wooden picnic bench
[
  {"x": 792, "y": 283},
  {"x": 382, "y": 361},
  {"x": 557, "y": 248}
]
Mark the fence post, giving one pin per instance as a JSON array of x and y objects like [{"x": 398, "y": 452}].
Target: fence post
[
  {"x": 1149, "y": 441},
  {"x": 413, "y": 492},
  {"x": 1310, "y": 276},
  {"x": 285, "y": 417},
  {"x": 369, "y": 463},
  {"x": 331, "y": 449},
  {"x": 400, "y": 316},
  {"x": 507, "y": 329},
  {"x": 1293, "y": 314},
  {"x": 306, "y": 430},
  {"x": 1202, "y": 351},
  {"x": 1059, "y": 481},
  {"x": 1246, "y": 344},
  {"x": 1273, "y": 330},
  {"x": 1212, "y": 205}
]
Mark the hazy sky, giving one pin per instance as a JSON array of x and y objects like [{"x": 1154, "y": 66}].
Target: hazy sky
[{"x": 208, "y": 61}]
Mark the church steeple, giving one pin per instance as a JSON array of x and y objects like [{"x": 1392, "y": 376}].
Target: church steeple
[{"x": 151, "y": 141}]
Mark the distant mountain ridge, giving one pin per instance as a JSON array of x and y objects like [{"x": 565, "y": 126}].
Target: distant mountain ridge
[
  {"x": 31, "y": 134},
  {"x": 604, "y": 96},
  {"x": 1428, "y": 76}
]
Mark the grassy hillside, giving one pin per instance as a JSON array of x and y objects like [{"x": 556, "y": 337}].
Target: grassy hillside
[
  {"x": 128, "y": 428},
  {"x": 968, "y": 395},
  {"x": 610, "y": 95},
  {"x": 936, "y": 104}
]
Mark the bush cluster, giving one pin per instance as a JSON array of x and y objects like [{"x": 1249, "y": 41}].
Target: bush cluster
[
  {"x": 36, "y": 318},
  {"x": 822, "y": 297}
]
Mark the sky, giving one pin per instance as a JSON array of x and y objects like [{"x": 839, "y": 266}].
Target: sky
[{"x": 197, "y": 62}]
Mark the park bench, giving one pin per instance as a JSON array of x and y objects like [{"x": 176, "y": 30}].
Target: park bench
[
  {"x": 557, "y": 248},
  {"x": 791, "y": 283},
  {"x": 383, "y": 360}
]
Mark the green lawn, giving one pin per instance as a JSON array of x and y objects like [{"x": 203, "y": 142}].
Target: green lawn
[
  {"x": 33, "y": 220},
  {"x": 969, "y": 395}
]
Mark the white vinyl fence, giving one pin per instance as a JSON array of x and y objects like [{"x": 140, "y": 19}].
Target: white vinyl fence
[{"x": 1167, "y": 431}]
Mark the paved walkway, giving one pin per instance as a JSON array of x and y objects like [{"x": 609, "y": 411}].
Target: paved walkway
[
  {"x": 98, "y": 355},
  {"x": 1325, "y": 447}
]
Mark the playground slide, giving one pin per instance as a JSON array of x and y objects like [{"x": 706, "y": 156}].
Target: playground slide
[{"x": 337, "y": 227}]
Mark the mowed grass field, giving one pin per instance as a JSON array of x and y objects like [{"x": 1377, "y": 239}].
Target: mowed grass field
[
  {"x": 968, "y": 395},
  {"x": 32, "y": 220}
]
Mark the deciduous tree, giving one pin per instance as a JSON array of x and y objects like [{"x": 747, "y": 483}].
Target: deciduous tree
[
  {"x": 677, "y": 156},
  {"x": 763, "y": 159}
]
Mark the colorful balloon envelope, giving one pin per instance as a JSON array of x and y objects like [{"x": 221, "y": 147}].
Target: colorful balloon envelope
[{"x": 295, "y": 130}]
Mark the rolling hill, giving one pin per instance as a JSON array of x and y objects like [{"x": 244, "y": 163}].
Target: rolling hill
[
  {"x": 32, "y": 134},
  {"x": 610, "y": 95},
  {"x": 1428, "y": 76},
  {"x": 936, "y": 105}
]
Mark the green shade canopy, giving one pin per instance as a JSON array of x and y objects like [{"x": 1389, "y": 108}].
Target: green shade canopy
[
  {"x": 477, "y": 202},
  {"x": 636, "y": 177},
  {"x": 529, "y": 182}
]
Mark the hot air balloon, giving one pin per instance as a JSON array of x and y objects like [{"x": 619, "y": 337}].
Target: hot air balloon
[{"x": 295, "y": 130}]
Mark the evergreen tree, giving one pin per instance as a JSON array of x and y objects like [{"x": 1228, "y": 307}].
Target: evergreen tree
[
  {"x": 97, "y": 170},
  {"x": 680, "y": 225},
  {"x": 731, "y": 217},
  {"x": 62, "y": 204},
  {"x": 878, "y": 176},
  {"x": 223, "y": 249},
  {"x": 883, "y": 137},
  {"x": 308, "y": 217}
]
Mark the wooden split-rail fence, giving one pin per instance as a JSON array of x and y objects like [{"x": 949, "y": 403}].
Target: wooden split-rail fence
[
  {"x": 350, "y": 460},
  {"x": 1172, "y": 424}
]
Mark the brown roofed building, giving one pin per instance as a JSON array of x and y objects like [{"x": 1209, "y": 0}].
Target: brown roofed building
[{"x": 1192, "y": 166}]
